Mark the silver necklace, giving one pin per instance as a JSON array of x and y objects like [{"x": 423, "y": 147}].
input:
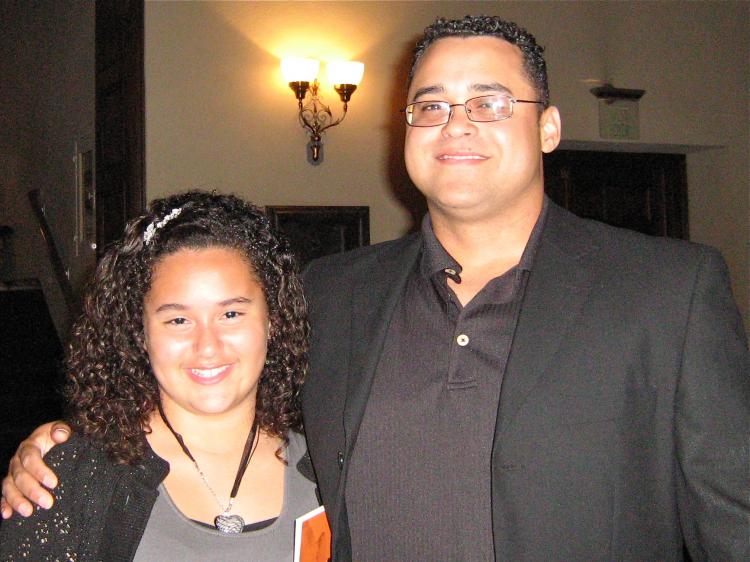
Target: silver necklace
[{"x": 226, "y": 522}]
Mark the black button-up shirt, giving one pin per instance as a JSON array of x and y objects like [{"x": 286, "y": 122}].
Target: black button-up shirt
[{"x": 419, "y": 485}]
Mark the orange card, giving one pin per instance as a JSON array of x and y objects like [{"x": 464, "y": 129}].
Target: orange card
[{"x": 312, "y": 537}]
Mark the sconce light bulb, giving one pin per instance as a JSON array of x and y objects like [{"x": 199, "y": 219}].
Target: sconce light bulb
[
  {"x": 297, "y": 69},
  {"x": 345, "y": 72}
]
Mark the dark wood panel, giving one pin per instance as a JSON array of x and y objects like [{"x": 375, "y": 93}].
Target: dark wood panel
[
  {"x": 643, "y": 192},
  {"x": 120, "y": 117},
  {"x": 315, "y": 232}
]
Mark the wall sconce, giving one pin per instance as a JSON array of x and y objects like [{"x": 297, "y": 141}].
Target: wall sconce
[{"x": 315, "y": 116}]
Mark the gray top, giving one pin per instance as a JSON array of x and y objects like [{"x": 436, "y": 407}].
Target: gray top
[{"x": 169, "y": 535}]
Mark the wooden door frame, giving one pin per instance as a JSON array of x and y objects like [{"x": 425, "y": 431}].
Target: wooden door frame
[{"x": 119, "y": 117}]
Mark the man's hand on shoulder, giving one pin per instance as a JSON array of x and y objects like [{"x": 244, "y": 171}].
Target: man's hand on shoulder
[{"x": 28, "y": 477}]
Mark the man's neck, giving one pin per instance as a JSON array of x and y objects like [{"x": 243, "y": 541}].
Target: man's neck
[{"x": 485, "y": 248}]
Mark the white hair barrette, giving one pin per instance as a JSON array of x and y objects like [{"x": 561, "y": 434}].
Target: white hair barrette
[{"x": 154, "y": 226}]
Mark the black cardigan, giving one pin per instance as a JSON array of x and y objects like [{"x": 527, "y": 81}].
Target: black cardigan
[{"x": 100, "y": 511}]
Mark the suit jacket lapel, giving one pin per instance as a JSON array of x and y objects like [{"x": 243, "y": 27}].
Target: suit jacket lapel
[
  {"x": 373, "y": 301},
  {"x": 558, "y": 286}
]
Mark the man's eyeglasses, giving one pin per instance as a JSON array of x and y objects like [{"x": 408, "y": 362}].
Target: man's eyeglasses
[{"x": 480, "y": 109}]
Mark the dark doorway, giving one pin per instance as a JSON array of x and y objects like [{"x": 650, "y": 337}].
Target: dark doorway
[
  {"x": 120, "y": 117},
  {"x": 31, "y": 356},
  {"x": 640, "y": 191},
  {"x": 30, "y": 351}
]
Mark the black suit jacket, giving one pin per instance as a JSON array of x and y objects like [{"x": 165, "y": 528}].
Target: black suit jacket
[{"x": 623, "y": 422}]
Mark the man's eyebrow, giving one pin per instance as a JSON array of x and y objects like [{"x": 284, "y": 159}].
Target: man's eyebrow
[
  {"x": 491, "y": 87},
  {"x": 434, "y": 89},
  {"x": 477, "y": 87}
]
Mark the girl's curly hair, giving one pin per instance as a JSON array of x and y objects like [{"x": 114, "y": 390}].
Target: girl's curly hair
[{"x": 111, "y": 390}]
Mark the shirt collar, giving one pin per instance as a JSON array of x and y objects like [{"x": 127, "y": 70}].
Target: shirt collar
[
  {"x": 527, "y": 258},
  {"x": 435, "y": 259}
]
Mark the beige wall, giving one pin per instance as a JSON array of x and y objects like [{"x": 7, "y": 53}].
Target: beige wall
[{"x": 218, "y": 114}]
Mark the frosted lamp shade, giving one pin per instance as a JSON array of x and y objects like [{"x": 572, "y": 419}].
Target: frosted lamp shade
[
  {"x": 345, "y": 72},
  {"x": 299, "y": 70}
]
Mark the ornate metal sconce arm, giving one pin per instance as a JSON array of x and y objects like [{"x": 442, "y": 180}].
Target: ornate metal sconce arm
[{"x": 316, "y": 116}]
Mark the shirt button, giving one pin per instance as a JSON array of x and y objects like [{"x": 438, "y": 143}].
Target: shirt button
[{"x": 462, "y": 340}]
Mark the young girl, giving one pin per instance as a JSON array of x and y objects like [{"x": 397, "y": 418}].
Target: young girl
[{"x": 184, "y": 375}]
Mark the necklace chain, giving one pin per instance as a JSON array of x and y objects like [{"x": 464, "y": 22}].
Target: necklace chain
[
  {"x": 226, "y": 509},
  {"x": 250, "y": 445}
]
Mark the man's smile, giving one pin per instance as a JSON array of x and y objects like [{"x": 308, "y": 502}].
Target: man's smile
[{"x": 461, "y": 157}]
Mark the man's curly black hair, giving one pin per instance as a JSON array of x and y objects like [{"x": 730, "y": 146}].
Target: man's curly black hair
[
  {"x": 492, "y": 26},
  {"x": 111, "y": 390}
]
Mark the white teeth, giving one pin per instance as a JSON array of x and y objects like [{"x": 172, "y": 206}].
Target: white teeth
[
  {"x": 207, "y": 373},
  {"x": 462, "y": 157}
]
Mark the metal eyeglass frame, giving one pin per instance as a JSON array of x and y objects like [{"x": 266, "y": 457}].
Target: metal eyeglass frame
[{"x": 512, "y": 100}]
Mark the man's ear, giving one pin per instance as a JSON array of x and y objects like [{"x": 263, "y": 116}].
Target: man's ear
[{"x": 550, "y": 129}]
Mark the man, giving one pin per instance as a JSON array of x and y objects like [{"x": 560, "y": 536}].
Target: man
[{"x": 513, "y": 382}]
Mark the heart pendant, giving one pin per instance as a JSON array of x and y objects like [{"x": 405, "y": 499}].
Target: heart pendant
[{"x": 229, "y": 524}]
